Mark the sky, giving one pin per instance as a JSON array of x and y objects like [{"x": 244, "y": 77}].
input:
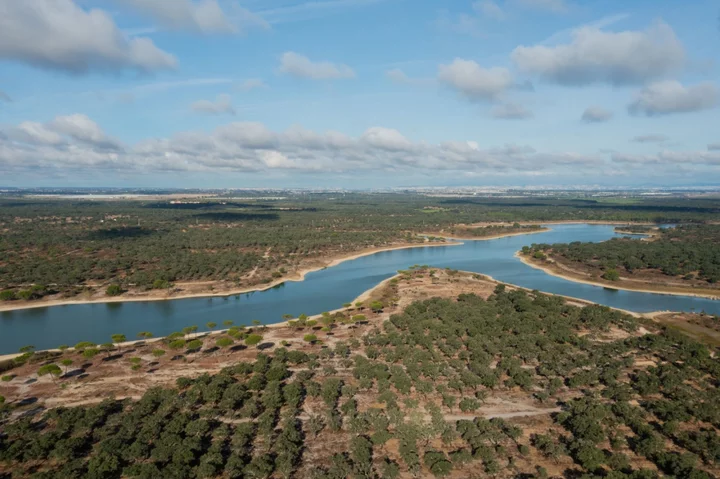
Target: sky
[{"x": 359, "y": 93}]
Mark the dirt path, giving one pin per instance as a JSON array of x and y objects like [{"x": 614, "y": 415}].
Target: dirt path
[{"x": 503, "y": 415}]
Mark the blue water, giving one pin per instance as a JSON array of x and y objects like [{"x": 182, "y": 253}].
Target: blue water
[{"x": 324, "y": 291}]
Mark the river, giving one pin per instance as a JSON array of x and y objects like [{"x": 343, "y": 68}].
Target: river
[{"x": 325, "y": 290}]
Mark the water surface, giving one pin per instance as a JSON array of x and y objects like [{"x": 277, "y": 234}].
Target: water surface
[{"x": 325, "y": 290}]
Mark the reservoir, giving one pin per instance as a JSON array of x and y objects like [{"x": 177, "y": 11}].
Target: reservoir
[{"x": 325, "y": 290}]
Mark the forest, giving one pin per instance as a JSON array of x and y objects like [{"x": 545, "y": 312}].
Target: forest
[
  {"x": 68, "y": 247},
  {"x": 688, "y": 252},
  {"x": 403, "y": 400}
]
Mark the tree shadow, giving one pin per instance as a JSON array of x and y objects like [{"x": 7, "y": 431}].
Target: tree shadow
[
  {"x": 31, "y": 413},
  {"x": 30, "y": 381},
  {"x": 264, "y": 346},
  {"x": 151, "y": 371},
  {"x": 119, "y": 232},
  {"x": 238, "y": 347},
  {"x": 27, "y": 401},
  {"x": 236, "y": 216},
  {"x": 212, "y": 350},
  {"x": 73, "y": 373},
  {"x": 114, "y": 357}
]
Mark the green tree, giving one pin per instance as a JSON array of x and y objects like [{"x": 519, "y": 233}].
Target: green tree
[
  {"x": 611, "y": 275},
  {"x": 253, "y": 340},
  {"x": 211, "y": 326},
  {"x": 158, "y": 353},
  {"x": 118, "y": 339},
  {"x": 67, "y": 362},
  {"x": 224, "y": 342},
  {"x": 376, "y": 306},
  {"x": 52, "y": 369}
]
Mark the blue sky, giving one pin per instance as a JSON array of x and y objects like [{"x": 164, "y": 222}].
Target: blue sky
[{"x": 358, "y": 93}]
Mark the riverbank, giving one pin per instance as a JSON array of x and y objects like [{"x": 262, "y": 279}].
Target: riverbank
[
  {"x": 553, "y": 270},
  {"x": 363, "y": 297},
  {"x": 485, "y": 238},
  {"x": 164, "y": 296}
]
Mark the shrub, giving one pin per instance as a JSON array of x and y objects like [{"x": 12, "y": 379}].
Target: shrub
[{"x": 114, "y": 290}]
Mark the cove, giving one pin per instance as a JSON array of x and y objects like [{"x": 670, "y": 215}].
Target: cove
[{"x": 325, "y": 290}]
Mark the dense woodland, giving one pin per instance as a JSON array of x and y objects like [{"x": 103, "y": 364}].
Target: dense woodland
[
  {"x": 689, "y": 252},
  {"x": 400, "y": 402},
  {"x": 51, "y": 246}
]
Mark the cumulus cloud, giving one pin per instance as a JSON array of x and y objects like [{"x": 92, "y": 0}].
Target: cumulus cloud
[
  {"x": 59, "y": 35},
  {"x": 667, "y": 97},
  {"x": 73, "y": 142},
  {"x": 64, "y": 132},
  {"x": 301, "y": 66},
  {"x": 511, "y": 111},
  {"x": 251, "y": 84},
  {"x": 596, "y": 114},
  {"x": 670, "y": 159},
  {"x": 83, "y": 129},
  {"x": 34, "y": 133},
  {"x": 650, "y": 139},
  {"x": 386, "y": 139},
  {"x": 201, "y": 16},
  {"x": 222, "y": 104},
  {"x": 473, "y": 81},
  {"x": 597, "y": 56},
  {"x": 714, "y": 147}
]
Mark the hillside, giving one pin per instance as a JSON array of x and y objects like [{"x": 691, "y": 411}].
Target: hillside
[{"x": 451, "y": 376}]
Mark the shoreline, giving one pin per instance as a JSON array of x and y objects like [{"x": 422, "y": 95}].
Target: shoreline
[
  {"x": 566, "y": 277},
  {"x": 492, "y": 237},
  {"x": 364, "y": 296},
  {"x": 297, "y": 277}
]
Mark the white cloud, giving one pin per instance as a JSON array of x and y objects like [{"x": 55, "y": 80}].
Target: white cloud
[
  {"x": 670, "y": 159},
  {"x": 557, "y": 6},
  {"x": 667, "y": 97},
  {"x": 64, "y": 132},
  {"x": 596, "y": 114},
  {"x": 83, "y": 129},
  {"x": 252, "y": 135},
  {"x": 222, "y": 104},
  {"x": 650, "y": 139},
  {"x": 201, "y": 16},
  {"x": 473, "y": 81},
  {"x": 596, "y": 56},
  {"x": 301, "y": 66},
  {"x": 35, "y": 133},
  {"x": 251, "y": 84},
  {"x": 71, "y": 143},
  {"x": 511, "y": 111},
  {"x": 59, "y": 35},
  {"x": 489, "y": 9},
  {"x": 386, "y": 139}
]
